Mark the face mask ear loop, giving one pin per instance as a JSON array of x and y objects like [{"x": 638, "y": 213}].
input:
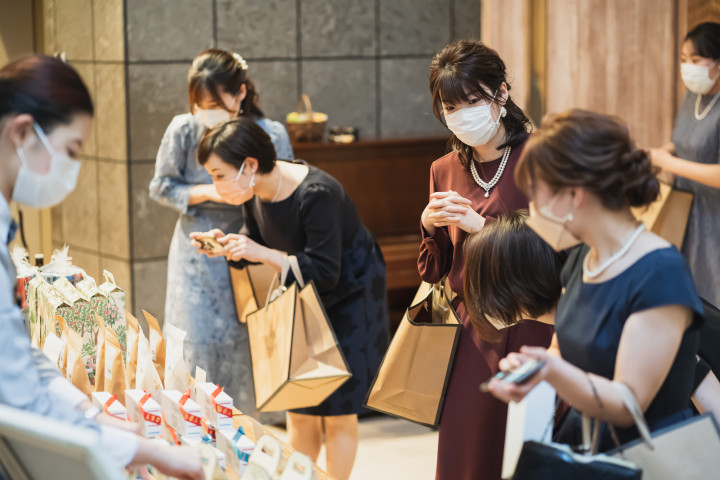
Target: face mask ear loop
[
  {"x": 240, "y": 171},
  {"x": 43, "y": 138}
]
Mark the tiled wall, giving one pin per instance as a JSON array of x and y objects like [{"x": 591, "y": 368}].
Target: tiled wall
[
  {"x": 363, "y": 62},
  {"x": 95, "y": 219}
]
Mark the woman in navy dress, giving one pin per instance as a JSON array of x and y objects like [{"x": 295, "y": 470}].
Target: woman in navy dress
[
  {"x": 292, "y": 208},
  {"x": 630, "y": 312}
]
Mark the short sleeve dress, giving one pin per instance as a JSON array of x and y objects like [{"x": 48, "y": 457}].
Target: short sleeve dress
[
  {"x": 699, "y": 141},
  {"x": 319, "y": 224},
  {"x": 590, "y": 319}
]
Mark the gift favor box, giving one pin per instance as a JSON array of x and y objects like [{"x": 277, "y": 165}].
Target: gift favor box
[
  {"x": 109, "y": 404},
  {"x": 237, "y": 448},
  {"x": 145, "y": 411},
  {"x": 113, "y": 311},
  {"x": 182, "y": 413},
  {"x": 216, "y": 405},
  {"x": 80, "y": 318}
]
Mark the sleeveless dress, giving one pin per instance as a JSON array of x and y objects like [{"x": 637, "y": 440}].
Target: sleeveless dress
[
  {"x": 199, "y": 298},
  {"x": 319, "y": 224},
  {"x": 472, "y": 424},
  {"x": 590, "y": 319}
]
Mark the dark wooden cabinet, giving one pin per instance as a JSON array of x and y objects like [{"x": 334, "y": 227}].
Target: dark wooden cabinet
[{"x": 389, "y": 182}]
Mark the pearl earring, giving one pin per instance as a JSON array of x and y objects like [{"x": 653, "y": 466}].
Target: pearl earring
[{"x": 503, "y": 112}]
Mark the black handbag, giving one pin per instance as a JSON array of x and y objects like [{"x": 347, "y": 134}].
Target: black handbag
[{"x": 555, "y": 461}]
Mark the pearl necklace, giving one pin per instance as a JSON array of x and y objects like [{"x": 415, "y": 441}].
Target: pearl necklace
[
  {"x": 614, "y": 258},
  {"x": 488, "y": 185},
  {"x": 700, "y": 116}
]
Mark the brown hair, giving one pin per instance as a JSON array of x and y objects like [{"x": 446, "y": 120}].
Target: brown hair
[
  {"x": 46, "y": 88},
  {"x": 215, "y": 71},
  {"x": 236, "y": 140},
  {"x": 464, "y": 68},
  {"x": 511, "y": 274},
  {"x": 579, "y": 148}
]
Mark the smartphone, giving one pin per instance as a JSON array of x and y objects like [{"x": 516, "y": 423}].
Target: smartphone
[
  {"x": 210, "y": 244},
  {"x": 520, "y": 375}
]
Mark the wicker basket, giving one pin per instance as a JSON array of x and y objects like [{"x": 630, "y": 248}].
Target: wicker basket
[{"x": 306, "y": 126}]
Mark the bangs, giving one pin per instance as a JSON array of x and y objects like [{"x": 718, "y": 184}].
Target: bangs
[
  {"x": 200, "y": 84},
  {"x": 452, "y": 88}
]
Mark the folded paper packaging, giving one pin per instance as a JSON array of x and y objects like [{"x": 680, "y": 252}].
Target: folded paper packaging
[
  {"x": 143, "y": 410},
  {"x": 216, "y": 405},
  {"x": 182, "y": 413},
  {"x": 110, "y": 404},
  {"x": 237, "y": 448}
]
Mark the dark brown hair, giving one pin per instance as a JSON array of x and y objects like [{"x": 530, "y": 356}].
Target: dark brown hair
[
  {"x": 215, "y": 71},
  {"x": 579, "y": 148},
  {"x": 236, "y": 140},
  {"x": 511, "y": 274},
  {"x": 46, "y": 88},
  {"x": 467, "y": 67},
  {"x": 705, "y": 39}
]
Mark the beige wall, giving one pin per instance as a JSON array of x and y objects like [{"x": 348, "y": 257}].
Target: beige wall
[
  {"x": 17, "y": 39},
  {"x": 612, "y": 56}
]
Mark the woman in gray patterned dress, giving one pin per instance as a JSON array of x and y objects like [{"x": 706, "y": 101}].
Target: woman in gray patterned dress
[
  {"x": 694, "y": 155},
  {"x": 199, "y": 298}
]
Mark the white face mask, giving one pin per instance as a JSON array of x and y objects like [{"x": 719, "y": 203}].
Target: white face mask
[
  {"x": 42, "y": 191},
  {"x": 474, "y": 126},
  {"x": 697, "y": 77},
  {"x": 212, "y": 117}
]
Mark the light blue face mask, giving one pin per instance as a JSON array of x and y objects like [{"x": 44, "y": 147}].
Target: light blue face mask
[{"x": 45, "y": 190}]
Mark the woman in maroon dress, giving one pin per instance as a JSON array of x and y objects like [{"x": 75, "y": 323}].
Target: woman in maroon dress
[{"x": 468, "y": 187}]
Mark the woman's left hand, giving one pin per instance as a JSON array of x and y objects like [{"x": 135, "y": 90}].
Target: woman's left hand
[
  {"x": 458, "y": 213},
  {"x": 461, "y": 216},
  {"x": 238, "y": 247},
  {"x": 507, "y": 391}
]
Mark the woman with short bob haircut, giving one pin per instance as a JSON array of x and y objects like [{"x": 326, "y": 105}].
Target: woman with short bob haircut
[
  {"x": 292, "y": 208},
  {"x": 511, "y": 275},
  {"x": 198, "y": 296},
  {"x": 629, "y": 313}
]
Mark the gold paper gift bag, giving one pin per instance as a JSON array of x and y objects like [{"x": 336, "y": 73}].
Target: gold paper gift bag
[
  {"x": 668, "y": 215},
  {"x": 250, "y": 287},
  {"x": 296, "y": 359},
  {"x": 414, "y": 373}
]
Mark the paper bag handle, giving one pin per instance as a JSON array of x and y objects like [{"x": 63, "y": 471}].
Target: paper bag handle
[
  {"x": 109, "y": 277},
  {"x": 631, "y": 404},
  {"x": 289, "y": 263}
]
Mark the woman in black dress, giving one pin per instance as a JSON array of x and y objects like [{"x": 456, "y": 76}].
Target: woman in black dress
[
  {"x": 629, "y": 313},
  {"x": 292, "y": 208}
]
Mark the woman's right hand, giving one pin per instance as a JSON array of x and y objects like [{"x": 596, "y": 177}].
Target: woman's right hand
[
  {"x": 441, "y": 206},
  {"x": 215, "y": 232}
]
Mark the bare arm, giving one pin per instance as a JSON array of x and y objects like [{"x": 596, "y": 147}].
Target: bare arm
[
  {"x": 648, "y": 346},
  {"x": 705, "y": 173}
]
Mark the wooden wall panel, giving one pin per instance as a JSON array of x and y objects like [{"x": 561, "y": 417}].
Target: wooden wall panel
[
  {"x": 615, "y": 57},
  {"x": 505, "y": 28}
]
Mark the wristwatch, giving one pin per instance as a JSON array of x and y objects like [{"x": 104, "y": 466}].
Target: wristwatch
[{"x": 92, "y": 412}]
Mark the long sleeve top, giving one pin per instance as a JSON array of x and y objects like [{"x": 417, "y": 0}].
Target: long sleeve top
[
  {"x": 27, "y": 381},
  {"x": 442, "y": 253}
]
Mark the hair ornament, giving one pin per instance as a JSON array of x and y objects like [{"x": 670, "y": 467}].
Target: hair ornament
[{"x": 241, "y": 61}]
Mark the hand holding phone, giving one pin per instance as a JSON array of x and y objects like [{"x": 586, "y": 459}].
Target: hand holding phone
[
  {"x": 210, "y": 244},
  {"x": 520, "y": 375}
]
